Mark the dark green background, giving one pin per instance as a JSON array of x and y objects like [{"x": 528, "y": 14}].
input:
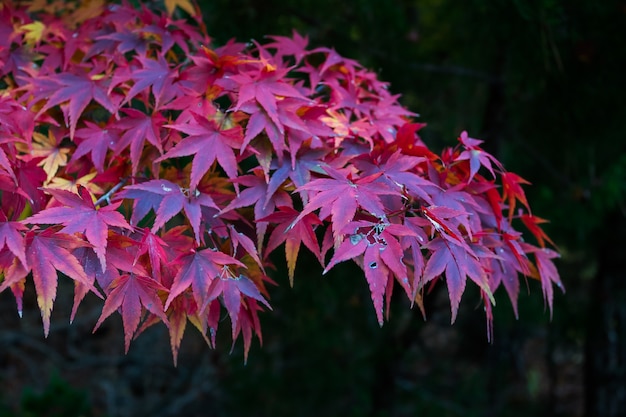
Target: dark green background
[{"x": 542, "y": 81}]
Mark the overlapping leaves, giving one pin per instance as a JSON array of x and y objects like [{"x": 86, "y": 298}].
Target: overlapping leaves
[{"x": 145, "y": 165}]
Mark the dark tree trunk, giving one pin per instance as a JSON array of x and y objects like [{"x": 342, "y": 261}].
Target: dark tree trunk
[{"x": 605, "y": 374}]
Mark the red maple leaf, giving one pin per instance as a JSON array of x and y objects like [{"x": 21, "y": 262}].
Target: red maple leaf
[
  {"x": 458, "y": 264},
  {"x": 377, "y": 242},
  {"x": 97, "y": 141},
  {"x": 167, "y": 200},
  {"x": 138, "y": 127},
  {"x": 302, "y": 232},
  {"x": 399, "y": 171},
  {"x": 46, "y": 253},
  {"x": 129, "y": 293},
  {"x": 11, "y": 236},
  {"x": 155, "y": 248},
  {"x": 294, "y": 45},
  {"x": 231, "y": 290},
  {"x": 476, "y": 156},
  {"x": 77, "y": 90},
  {"x": 299, "y": 170},
  {"x": 341, "y": 195},
  {"x": 265, "y": 88},
  {"x": 532, "y": 223},
  {"x": 257, "y": 194},
  {"x": 512, "y": 190},
  {"x": 548, "y": 273},
  {"x": 208, "y": 143},
  {"x": 79, "y": 215},
  {"x": 156, "y": 74},
  {"x": 198, "y": 270}
]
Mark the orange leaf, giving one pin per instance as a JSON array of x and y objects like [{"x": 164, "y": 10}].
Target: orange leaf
[{"x": 186, "y": 5}]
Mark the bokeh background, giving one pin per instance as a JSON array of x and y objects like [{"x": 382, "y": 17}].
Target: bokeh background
[{"x": 543, "y": 83}]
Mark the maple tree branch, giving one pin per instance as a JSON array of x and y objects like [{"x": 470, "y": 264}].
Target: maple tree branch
[{"x": 107, "y": 197}]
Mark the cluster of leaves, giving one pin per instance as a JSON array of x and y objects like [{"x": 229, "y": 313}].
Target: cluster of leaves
[{"x": 160, "y": 173}]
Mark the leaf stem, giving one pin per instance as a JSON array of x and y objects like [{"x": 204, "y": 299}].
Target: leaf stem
[{"x": 107, "y": 197}]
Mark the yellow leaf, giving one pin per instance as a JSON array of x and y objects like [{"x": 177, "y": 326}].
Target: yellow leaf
[
  {"x": 72, "y": 185},
  {"x": 48, "y": 148},
  {"x": 186, "y": 5},
  {"x": 33, "y": 32}
]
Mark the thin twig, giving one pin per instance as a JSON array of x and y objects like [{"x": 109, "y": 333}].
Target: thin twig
[{"x": 106, "y": 197}]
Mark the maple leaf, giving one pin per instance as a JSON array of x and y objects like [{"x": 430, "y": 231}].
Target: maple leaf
[
  {"x": 248, "y": 322},
  {"x": 377, "y": 242},
  {"x": 86, "y": 10},
  {"x": 231, "y": 290},
  {"x": 198, "y": 270},
  {"x": 399, "y": 171},
  {"x": 138, "y": 127},
  {"x": 6, "y": 165},
  {"x": 261, "y": 121},
  {"x": 440, "y": 218},
  {"x": 257, "y": 194},
  {"x": 129, "y": 293},
  {"x": 302, "y": 232},
  {"x": 72, "y": 185},
  {"x": 208, "y": 143},
  {"x": 264, "y": 88},
  {"x": 167, "y": 200},
  {"x": 177, "y": 318},
  {"x": 91, "y": 265},
  {"x": 127, "y": 41},
  {"x": 48, "y": 147},
  {"x": 458, "y": 264},
  {"x": 81, "y": 216},
  {"x": 156, "y": 74},
  {"x": 294, "y": 45},
  {"x": 548, "y": 273},
  {"x": 238, "y": 239},
  {"x": 96, "y": 141},
  {"x": 76, "y": 90},
  {"x": 11, "y": 236},
  {"x": 476, "y": 156},
  {"x": 340, "y": 196},
  {"x": 532, "y": 223},
  {"x": 299, "y": 170},
  {"x": 409, "y": 142},
  {"x": 46, "y": 253},
  {"x": 512, "y": 191},
  {"x": 155, "y": 247},
  {"x": 504, "y": 272}
]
